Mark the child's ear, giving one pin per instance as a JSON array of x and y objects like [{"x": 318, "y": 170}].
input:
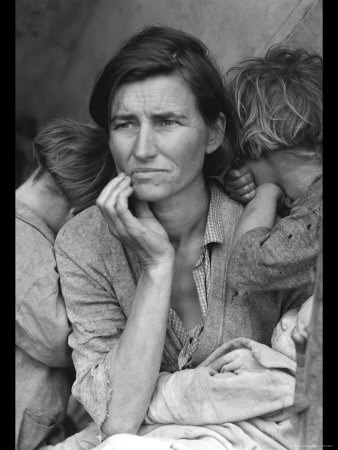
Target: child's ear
[{"x": 216, "y": 134}]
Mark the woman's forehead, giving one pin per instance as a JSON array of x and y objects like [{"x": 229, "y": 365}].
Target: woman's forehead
[{"x": 159, "y": 94}]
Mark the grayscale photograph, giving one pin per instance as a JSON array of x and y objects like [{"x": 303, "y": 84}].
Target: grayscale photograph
[{"x": 168, "y": 225}]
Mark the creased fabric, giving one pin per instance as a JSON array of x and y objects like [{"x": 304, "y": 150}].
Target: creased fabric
[
  {"x": 206, "y": 395},
  {"x": 208, "y": 408},
  {"x": 98, "y": 278},
  {"x": 42, "y": 353}
]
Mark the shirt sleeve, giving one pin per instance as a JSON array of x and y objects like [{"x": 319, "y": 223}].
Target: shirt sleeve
[
  {"x": 42, "y": 326},
  {"x": 277, "y": 259},
  {"x": 97, "y": 324}
]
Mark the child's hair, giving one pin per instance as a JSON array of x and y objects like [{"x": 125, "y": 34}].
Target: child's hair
[
  {"x": 77, "y": 157},
  {"x": 278, "y": 99}
]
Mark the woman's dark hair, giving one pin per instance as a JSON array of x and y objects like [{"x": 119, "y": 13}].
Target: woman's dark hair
[
  {"x": 78, "y": 158},
  {"x": 164, "y": 51}
]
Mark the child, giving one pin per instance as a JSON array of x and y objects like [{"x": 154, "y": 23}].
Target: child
[
  {"x": 73, "y": 166},
  {"x": 296, "y": 321},
  {"x": 278, "y": 99}
]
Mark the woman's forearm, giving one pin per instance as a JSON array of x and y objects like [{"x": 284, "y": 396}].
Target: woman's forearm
[{"x": 136, "y": 365}]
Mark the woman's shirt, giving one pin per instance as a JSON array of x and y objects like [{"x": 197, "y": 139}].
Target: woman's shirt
[
  {"x": 99, "y": 276},
  {"x": 187, "y": 340}
]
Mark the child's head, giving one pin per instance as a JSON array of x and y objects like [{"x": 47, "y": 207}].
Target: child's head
[
  {"x": 296, "y": 318},
  {"x": 278, "y": 99},
  {"x": 77, "y": 156}
]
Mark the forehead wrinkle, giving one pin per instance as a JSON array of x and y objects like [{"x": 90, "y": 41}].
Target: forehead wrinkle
[{"x": 138, "y": 99}]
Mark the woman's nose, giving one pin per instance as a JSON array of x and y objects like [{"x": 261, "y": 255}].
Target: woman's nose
[{"x": 145, "y": 144}]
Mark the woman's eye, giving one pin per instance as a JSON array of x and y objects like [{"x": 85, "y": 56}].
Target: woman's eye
[
  {"x": 168, "y": 122},
  {"x": 123, "y": 125}
]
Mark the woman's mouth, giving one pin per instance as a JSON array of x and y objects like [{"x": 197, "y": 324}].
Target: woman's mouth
[{"x": 146, "y": 173}]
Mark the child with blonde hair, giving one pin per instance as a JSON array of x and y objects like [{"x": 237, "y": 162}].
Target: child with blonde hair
[{"x": 278, "y": 99}]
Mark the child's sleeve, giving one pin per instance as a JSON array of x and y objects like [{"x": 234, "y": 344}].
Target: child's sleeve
[{"x": 280, "y": 258}]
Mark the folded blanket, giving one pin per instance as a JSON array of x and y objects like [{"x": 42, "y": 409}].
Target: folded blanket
[
  {"x": 239, "y": 398},
  {"x": 260, "y": 385}
]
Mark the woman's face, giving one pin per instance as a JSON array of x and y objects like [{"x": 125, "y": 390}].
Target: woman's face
[{"x": 158, "y": 137}]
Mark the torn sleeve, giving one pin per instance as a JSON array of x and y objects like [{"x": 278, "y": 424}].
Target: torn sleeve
[
  {"x": 277, "y": 259},
  {"x": 97, "y": 324}
]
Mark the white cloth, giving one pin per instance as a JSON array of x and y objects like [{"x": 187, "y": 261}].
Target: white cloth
[{"x": 210, "y": 408}]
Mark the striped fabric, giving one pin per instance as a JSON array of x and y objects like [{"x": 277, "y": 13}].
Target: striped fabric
[{"x": 187, "y": 341}]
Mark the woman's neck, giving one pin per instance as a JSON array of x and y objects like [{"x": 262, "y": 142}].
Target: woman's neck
[
  {"x": 184, "y": 215},
  {"x": 40, "y": 196}
]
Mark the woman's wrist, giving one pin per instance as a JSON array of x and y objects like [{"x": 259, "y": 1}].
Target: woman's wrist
[{"x": 163, "y": 266}]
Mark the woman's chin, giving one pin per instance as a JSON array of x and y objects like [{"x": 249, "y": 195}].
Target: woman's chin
[{"x": 149, "y": 193}]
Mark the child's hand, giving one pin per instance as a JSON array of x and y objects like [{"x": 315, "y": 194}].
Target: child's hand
[
  {"x": 239, "y": 359},
  {"x": 240, "y": 184}
]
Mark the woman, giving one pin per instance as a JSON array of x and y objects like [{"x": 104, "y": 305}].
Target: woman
[{"x": 144, "y": 274}]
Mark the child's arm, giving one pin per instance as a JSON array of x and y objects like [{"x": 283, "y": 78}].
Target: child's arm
[
  {"x": 261, "y": 211},
  {"x": 278, "y": 255}
]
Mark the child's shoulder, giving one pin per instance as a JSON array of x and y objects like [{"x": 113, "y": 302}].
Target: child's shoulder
[{"x": 310, "y": 201}]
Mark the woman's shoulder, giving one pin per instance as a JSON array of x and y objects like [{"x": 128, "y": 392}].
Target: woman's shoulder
[
  {"x": 87, "y": 231},
  {"x": 228, "y": 207}
]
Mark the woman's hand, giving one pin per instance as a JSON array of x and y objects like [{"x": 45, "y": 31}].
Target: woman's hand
[
  {"x": 144, "y": 232},
  {"x": 240, "y": 184}
]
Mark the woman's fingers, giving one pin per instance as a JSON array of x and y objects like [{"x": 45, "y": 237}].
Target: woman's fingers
[
  {"x": 131, "y": 224},
  {"x": 114, "y": 182},
  {"x": 142, "y": 232},
  {"x": 109, "y": 192},
  {"x": 112, "y": 200},
  {"x": 122, "y": 190}
]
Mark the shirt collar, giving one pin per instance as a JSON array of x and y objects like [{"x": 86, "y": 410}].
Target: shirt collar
[{"x": 214, "y": 229}]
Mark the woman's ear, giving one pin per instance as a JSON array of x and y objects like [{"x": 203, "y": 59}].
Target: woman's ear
[{"x": 216, "y": 134}]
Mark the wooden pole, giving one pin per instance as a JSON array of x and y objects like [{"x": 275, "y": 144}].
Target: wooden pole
[{"x": 309, "y": 376}]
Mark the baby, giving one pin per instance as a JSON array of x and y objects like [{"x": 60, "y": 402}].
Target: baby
[{"x": 294, "y": 325}]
